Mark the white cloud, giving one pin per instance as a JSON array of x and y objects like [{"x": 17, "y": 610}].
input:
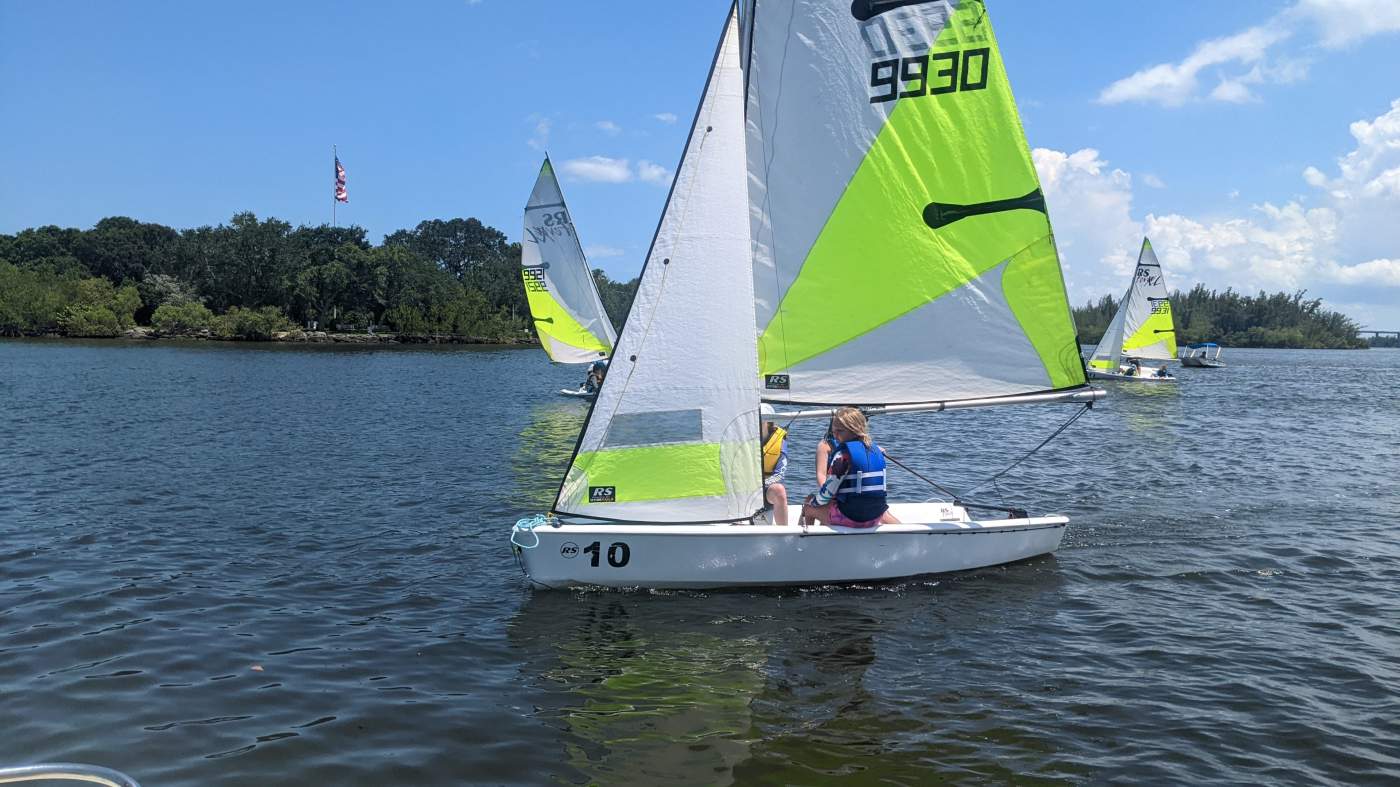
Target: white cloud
[
  {"x": 539, "y": 140},
  {"x": 666, "y": 117},
  {"x": 1340, "y": 23},
  {"x": 1091, "y": 213},
  {"x": 1153, "y": 181},
  {"x": 600, "y": 252},
  {"x": 1385, "y": 273},
  {"x": 1173, "y": 84},
  {"x": 653, "y": 173},
  {"x": 599, "y": 169},
  {"x": 1255, "y": 56},
  {"x": 608, "y": 127},
  {"x": 1339, "y": 243}
]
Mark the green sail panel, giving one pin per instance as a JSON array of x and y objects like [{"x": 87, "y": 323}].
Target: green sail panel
[
  {"x": 920, "y": 265},
  {"x": 564, "y": 303}
]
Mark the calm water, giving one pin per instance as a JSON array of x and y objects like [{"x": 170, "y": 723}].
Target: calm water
[{"x": 272, "y": 565}]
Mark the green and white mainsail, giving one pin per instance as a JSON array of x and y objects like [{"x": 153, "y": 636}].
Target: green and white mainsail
[
  {"x": 902, "y": 250},
  {"x": 1142, "y": 327},
  {"x": 673, "y": 433},
  {"x": 569, "y": 316}
]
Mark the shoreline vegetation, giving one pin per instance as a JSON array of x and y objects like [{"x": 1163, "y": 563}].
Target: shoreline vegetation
[
  {"x": 1267, "y": 320},
  {"x": 454, "y": 281}
]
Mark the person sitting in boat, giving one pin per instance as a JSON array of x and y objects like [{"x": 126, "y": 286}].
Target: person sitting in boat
[
  {"x": 596, "y": 373},
  {"x": 853, "y": 494},
  {"x": 1161, "y": 371},
  {"x": 1134, "y": 368},
  {"x": 775, "y": 463}
]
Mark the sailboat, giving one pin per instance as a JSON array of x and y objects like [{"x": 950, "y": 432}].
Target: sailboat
[
  {"x": 857, "y": 219},
  {"x": 568, "y": 313},
  {"x": 1141, "y": 329}
]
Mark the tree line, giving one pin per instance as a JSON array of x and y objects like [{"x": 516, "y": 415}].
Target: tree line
[
  {"x": 251, "y": 278},
  {"x": 1235, "y": 320}
]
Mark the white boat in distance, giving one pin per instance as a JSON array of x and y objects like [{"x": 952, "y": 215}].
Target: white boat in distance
[
  {"x": 1202, "y": 355},
  {"x": 856, "y": 216},
  {"x": 1142, "y": 330}
]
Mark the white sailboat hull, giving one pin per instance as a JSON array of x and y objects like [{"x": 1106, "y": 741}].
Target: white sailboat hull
[
  {"x": 1095, "y": 374},
  {"x": 578, "y": 553}
]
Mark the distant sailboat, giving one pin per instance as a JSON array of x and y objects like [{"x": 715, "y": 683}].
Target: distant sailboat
[
  {"x": 1141, "y": 330},
  {"x": 803, "y": 240},
  {"x": 568, "y": 313}
]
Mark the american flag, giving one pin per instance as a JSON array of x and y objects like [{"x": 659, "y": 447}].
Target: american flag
[{"x": 340, "y": 193}]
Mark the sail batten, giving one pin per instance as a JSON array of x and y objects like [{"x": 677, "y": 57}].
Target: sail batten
[{"x": 568, "y": 313}]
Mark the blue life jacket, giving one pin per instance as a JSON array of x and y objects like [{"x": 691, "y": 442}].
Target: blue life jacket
[{"x": 861, "y": 496}]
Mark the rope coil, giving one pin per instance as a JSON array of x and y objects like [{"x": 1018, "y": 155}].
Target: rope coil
[{"x": 528, "y": 525}]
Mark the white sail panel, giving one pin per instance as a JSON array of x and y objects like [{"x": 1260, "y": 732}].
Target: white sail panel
[
  {"x": 568, "y": 313},
  {"x": 890, "y": 181},
  {"x": 1108, "y": 355},
  {"x": 673, "y": 434}
]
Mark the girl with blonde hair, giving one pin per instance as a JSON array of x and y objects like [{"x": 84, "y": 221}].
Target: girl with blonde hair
[{"x": 853, "y": 493}]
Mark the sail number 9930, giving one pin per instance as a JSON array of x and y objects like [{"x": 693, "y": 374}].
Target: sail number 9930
[{"x": 929, "y": 75}]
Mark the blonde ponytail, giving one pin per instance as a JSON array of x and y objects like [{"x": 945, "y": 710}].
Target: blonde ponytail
[{"x": 852, "y": 421}]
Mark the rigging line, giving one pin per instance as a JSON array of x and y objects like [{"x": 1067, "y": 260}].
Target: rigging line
[
  {"x": 1028, "y": 455},
  {"x": 945, "y": 490}
]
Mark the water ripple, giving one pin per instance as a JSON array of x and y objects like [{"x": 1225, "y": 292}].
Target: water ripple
[{"x": 244, "y": 565}]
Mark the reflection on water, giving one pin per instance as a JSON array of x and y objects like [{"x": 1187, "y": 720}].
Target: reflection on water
[
  {"x": 1147, "y": 409},
  {"x": 797, "y": 687},
  {"x": 645, "y": 701},
  {"x": 543, "y": 452}
]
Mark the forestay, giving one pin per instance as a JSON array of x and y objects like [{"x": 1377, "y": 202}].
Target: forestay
[
  {"x": 1143, "y": 326},
  {"x": 673, "y": 434},
  {"x": 902, "y": 250},
  {"x": 569, "y": 316}
]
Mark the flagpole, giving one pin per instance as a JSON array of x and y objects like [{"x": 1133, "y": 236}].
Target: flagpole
[{"x": 335, "y": 156}]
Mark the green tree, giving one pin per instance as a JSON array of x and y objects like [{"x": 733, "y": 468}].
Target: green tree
[
  {"x": 182, "y": 319},
  {"x": 122, "y": 249}
]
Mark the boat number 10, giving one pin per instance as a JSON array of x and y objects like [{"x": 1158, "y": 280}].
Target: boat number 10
[{"x": 618, "y": 553}]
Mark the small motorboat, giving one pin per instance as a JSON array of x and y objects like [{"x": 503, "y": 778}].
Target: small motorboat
[{"x": 1202, "y": 355}]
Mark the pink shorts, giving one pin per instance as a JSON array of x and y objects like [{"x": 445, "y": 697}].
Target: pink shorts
[{"x": 837, "y": 518}]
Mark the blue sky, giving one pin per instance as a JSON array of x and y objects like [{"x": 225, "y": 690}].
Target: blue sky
[{"x": 1255, "y": 142}]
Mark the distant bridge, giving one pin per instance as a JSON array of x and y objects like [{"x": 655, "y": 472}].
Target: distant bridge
[{"x": 1377, "y": 334}]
